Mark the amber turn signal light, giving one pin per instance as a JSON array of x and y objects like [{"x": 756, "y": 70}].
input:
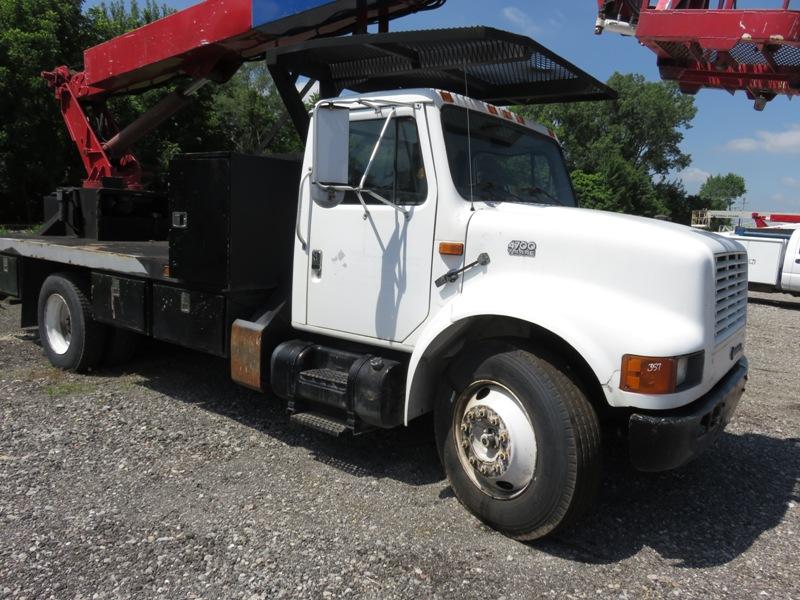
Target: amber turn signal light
[
  {"x": 451, "y": 248},
  {"x": 648, "y": 374}
]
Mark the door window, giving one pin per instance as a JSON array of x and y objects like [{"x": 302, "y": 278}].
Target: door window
[{"x": 398, "y": 172}]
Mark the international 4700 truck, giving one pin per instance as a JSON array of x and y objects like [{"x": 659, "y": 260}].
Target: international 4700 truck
[{"x": 425, "y": 255}]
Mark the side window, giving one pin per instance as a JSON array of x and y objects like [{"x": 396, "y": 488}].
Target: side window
[{"x": 398, "y": 172}]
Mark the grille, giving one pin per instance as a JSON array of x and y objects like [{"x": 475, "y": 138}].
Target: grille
[{"x": 731, "y": 311}]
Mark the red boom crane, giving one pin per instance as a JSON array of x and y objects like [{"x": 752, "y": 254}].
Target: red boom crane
[
  {"x": 714, "y": 43},
  {"x": 206, "y": 42}
]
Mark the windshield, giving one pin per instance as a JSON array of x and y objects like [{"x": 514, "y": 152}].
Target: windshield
[{"x": 510, "y": 163}]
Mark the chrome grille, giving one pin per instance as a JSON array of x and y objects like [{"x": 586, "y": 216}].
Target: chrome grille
[{"x": 731, "y": 282}]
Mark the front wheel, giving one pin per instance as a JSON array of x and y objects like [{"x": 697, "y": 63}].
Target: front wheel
[{"x": 519, "y": 441}]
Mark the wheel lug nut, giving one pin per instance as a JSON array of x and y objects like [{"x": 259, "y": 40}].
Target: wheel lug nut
[
  {"x": 494, "y": 420},
  {"x": 465, "y": 444},
  {"x": 465, "y": 428},
  {"x": 503, "y": 456},
  {"x": 481, "y": 413},
  {"x": 473, "y": 461}
]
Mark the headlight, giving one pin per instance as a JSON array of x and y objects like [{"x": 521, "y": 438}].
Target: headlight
[{"x": 660, "y": 375}]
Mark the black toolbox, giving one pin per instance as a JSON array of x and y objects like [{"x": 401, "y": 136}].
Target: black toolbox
[{"x": 232, "y": 219}]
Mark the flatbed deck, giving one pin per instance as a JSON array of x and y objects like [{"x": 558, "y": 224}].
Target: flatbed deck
[{"x": 142, "y": 259}]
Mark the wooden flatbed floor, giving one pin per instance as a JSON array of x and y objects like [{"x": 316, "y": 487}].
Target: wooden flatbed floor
[{"x": 143, "y": 259}]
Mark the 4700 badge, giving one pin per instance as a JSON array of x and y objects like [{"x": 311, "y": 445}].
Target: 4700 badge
[{"x": 520, "y": 248}]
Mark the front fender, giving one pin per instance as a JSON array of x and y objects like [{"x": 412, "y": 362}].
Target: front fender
[{"x": 598, "y": 323}]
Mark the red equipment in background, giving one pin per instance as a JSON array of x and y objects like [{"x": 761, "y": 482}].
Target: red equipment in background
[
  {"x": 714, "y": 43},
  {"x": 205, "y": 42},
  {"x": 763, "y": 220}
]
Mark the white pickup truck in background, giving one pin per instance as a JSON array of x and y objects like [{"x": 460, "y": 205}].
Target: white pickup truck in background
[{"x": 773, "y": 256}]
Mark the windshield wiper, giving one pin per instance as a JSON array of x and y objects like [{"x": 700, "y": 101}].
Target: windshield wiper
[
  {"x": 489, "y": 186},
  {"x": 535, "y": 189}
]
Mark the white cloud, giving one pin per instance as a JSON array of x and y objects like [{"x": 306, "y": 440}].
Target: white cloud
[
  {"x": 692, "y": 178},
  {"x": 694, "y": 175},
  {"x": 791, "y": 182},
  {"x": 774, "y": 142},
  {"x": 520, "y": 20}
]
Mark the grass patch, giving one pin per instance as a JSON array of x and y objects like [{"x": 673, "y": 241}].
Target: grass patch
[
  {"x": 68, "y": 388},
  {"x": 55, "y": 382},
  {"x": 27, "y": 230}
]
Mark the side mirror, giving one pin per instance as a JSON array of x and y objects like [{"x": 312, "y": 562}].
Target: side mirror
[{"x": 331, "y": 151}]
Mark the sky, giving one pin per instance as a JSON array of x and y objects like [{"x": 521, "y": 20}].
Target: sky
[{"x": 727, "y": 135}]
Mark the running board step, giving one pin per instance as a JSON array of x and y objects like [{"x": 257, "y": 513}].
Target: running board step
[
  {"x": 330, "y": 379},
  {"x": 320, "y": 422},
  {"x": 362, "y": 389}
]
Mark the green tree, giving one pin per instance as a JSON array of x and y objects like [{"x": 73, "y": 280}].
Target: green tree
[
  {"x": 644, "y": 126},
  {"x": 678, "y": 202},
  {"x": 720, "y": 192},
  {"x": 117, "y": 17},
  {"x": 249, "y": 113},
  {"x": 35, "y": 153},
  {"x": 627, "y": 144}
]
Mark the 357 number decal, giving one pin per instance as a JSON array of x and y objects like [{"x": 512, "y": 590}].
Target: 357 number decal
[{"x": 654, "y": 367}]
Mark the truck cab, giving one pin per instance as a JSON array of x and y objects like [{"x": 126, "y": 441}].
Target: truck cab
[
  {"x": 426, "y": 256},
  {"x": 444, "y": 232}
]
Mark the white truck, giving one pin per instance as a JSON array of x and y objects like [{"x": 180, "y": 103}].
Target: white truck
[
  {"x": 427, "y": 255},
  {"x": 773, "y": 256}
]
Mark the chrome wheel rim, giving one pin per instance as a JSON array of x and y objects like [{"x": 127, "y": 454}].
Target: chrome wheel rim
[
  {"x": 495, "y": 440},
  {"x": 57, "y": 324}
]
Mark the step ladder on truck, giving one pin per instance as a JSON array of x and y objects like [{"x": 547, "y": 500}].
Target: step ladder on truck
[{"x": 416, "y": 260}]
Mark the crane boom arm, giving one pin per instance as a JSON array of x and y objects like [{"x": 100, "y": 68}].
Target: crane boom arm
[{"x": 205, "y": 42}]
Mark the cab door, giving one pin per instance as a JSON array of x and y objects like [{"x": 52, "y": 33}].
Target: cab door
[{"x": 369, "y": 273}]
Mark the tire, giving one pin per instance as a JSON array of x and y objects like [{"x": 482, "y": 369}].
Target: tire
[
  {"x": 121, "y": 346},
  {"x": 519, "y": 441},
  {"x": 71, "y": 338}
]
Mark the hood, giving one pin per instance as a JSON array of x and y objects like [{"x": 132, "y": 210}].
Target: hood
[{"x": 671, "y": 268}]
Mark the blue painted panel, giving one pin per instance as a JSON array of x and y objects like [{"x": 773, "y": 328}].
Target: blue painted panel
[{"x": 269, "y": 11}]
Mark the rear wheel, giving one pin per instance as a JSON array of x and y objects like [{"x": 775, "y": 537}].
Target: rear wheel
[
  {"x": 519, "y": 441},
  {"x": 71, "y": 339}
]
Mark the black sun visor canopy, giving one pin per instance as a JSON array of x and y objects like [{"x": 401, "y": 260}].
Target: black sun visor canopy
[{"x": 480, "y": 62}]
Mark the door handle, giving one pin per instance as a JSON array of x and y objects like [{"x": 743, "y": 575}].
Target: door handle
[{"x": 316, "y": 261}]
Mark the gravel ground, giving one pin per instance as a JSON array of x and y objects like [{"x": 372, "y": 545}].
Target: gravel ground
[{"x": 166, "y": 480}]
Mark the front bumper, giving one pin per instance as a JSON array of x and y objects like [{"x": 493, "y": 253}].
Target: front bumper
[{"x": 663, "y": 440}]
